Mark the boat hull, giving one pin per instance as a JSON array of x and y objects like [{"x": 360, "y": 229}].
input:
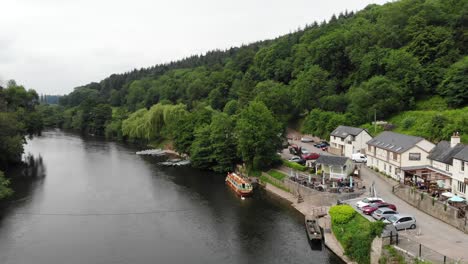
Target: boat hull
[
  {"x": 313, "y": 230},
  {"x": 238, "y": 191}
]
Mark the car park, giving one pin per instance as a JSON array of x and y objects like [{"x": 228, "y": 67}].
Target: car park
[
  {"x": 322, "y": 144},
  {"x": 369, "y": 209},
  {"x": 401, "y": 221},
  {"x": 367, "y": 201},
  {"x": 383, "y": 213}
]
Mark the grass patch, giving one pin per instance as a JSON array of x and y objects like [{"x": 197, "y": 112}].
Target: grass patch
[
  {"x": 276, "y": 174},
  {"x": 281, "y": 186},
  {"x": 294, "y": 165},
  {"x": 354, "y": 232}
]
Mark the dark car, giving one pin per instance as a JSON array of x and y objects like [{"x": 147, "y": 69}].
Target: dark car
[
  {"x": 310, "y": 156},
  {"x": 322, "y": 144},
  {"x": 368, "y": 210}
]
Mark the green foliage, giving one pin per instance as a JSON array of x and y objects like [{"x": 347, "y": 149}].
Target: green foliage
[
  {"x": 354, "y": 232},
  {"x": 5, "y": 191},
  {"x": 455, "y": 83},
  {"x": 322, "y": 123},
  {"x": 294, "y": 165},
  {"x": 264, "y": 178},
  {"x": 432, "y": 125},
  {"x": 276, "y": 174},
  {"x": 258, "y": 135},
  {"x": 342, "y": 214}
]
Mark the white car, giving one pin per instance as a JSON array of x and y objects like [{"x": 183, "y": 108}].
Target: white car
[
  {"x": 306, "y": 140},
  {"x": 305, "y": 151},
  {"x": 367, "y": 201}
]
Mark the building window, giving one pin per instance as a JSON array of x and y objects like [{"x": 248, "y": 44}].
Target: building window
[
  {"x": 342, "y": 139},
  {"x": 461, "y": 187},
  {"x": 415, "y": 156},
  {"x": 462, "y": 165},
  {"x": 390, "y": 168},
  {"x": 369, "y": 148},
  {"x": 385, "y": 166},
  {"x": 395, "y": 156},
  {"x": 352, "y": 138},
  {"x": 388, "y": 155},
  {"x": 446, "y": 167},
  {"x": 397, "y": 171}
]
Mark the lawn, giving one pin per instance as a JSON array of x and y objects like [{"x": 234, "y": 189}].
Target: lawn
[{"x": 276, "y": 174}]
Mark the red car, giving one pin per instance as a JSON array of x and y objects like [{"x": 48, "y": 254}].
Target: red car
[
  {"x": 310, "y": 156},
  {"x": 368, "y": 210}
]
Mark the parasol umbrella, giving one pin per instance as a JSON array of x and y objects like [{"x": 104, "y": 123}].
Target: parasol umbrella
[{"x": 456, "y": 199}]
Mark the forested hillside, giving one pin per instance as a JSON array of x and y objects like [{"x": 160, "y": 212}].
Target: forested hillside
[{"x": 230, "y": 106}]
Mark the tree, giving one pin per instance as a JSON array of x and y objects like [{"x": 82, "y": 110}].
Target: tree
[
  {"x": 309, "y": 86},
  {"x": 455, "y": 83},
  {"x": 201, "y": 149},
  {"x": 258, "y": 136},
  {"x": 377, "y": 94},
  {"x": 11, "y": 139},
  {"x": 223, "y": 142},
  {"x": 5, "y": 191}
]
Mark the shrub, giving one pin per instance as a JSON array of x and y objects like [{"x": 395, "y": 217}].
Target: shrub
[
  {"x": 294, "y": 165},
  {"x": 342, "y": 214}
]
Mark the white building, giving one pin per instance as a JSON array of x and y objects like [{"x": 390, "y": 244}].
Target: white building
[
  {"x": 393, "y": 153},
  {"x": 345, "y": 140},
  {"x": 460, "y": 173}
]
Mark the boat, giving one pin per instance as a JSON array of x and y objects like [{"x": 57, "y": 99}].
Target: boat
[
  {"x": 313, "y": 228},
  {"x": 243, "y": 187}
]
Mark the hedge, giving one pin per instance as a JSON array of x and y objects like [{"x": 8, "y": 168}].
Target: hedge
[{"x": 294, "y": 165}]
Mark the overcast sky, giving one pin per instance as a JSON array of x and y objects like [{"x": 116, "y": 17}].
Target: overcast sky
[{"x": 55, "y": 45}]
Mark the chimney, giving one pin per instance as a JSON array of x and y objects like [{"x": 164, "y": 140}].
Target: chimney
[{"x": 455, "y": 139}]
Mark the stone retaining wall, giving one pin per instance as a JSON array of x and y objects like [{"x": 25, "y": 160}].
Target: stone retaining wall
[{"x": 435, "y": 208}]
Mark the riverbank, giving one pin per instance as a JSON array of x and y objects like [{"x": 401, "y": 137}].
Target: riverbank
[{"x": 307, "y": 208}]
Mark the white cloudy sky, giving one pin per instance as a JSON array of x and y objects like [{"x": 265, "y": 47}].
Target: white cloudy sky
[{"x": 56, "y": 45}]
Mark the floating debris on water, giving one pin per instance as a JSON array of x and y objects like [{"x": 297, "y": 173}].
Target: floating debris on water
[{"x": 175, "y": 162}]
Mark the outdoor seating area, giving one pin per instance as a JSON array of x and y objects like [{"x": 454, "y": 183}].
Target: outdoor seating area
[{"x": 325, "y": 184}]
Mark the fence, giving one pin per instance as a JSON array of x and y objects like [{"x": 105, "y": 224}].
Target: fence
[{"x": 414, "y": 250}]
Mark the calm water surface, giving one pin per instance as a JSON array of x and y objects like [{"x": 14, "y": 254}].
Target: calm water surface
[{"x": 96, "y": 202}]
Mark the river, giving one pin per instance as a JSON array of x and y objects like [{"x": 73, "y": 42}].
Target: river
[{"x": 93, "y": 201}]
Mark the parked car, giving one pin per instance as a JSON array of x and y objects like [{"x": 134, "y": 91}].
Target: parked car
[
  {"x": 310, "y": 156},
  {"x": 306, "y": 140},
  {"x": 322, "y": 144},
  {"x": 401, "y": 221},
  {"x": 295, "y": 149},
  {"x": 383, "y": 213},
  {"x": 359, "y": 157},
  {"x": 304, "y": 151},
  {"x": 367, "y": 201},
  {"x": 375, "y": 206},
  {"x": 297, "y": 159}
]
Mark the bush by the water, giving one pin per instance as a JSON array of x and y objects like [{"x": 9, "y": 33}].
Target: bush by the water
[
  {"x": 341, "y": 214},
  {"x": 354, "y": 232}
]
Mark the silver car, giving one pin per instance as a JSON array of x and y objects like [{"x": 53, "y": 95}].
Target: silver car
[
  {"x": 383, "y": 213},
  {"x": 402, "y": 221}
]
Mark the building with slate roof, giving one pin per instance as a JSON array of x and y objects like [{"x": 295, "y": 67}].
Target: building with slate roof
[
  {"x": 460, "y": 170},
  {"x": 334, "y": 167},
  {"x": 392, "y": 153},
  {"x": 346, "y": 140}
]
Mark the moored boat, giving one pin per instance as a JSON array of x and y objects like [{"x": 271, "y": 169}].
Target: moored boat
[
  {"x": 313, "y": 228},
  {"x": 240, "y": 185}
]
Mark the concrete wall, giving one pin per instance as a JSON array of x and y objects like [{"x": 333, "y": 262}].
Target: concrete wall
[
  {"x": 376, "y": 250},
  {"x": 437, "y": 210}
]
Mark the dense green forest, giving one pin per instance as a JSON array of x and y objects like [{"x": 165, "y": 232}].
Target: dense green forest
[
  {"x": 234, "y": 105},
  {"x": 19, "y": 116}
]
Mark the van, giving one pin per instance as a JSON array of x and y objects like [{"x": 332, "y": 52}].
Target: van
[{"x": 359, "y": 157}]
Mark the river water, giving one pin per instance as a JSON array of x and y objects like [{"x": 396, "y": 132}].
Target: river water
[{"x": 89, "y": 201}]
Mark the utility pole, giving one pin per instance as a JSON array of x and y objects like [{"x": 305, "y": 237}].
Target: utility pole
[{"x": 375, "y": 121}]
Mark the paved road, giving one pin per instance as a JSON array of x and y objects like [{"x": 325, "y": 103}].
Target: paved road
[{"x": 430, "y": 231}]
